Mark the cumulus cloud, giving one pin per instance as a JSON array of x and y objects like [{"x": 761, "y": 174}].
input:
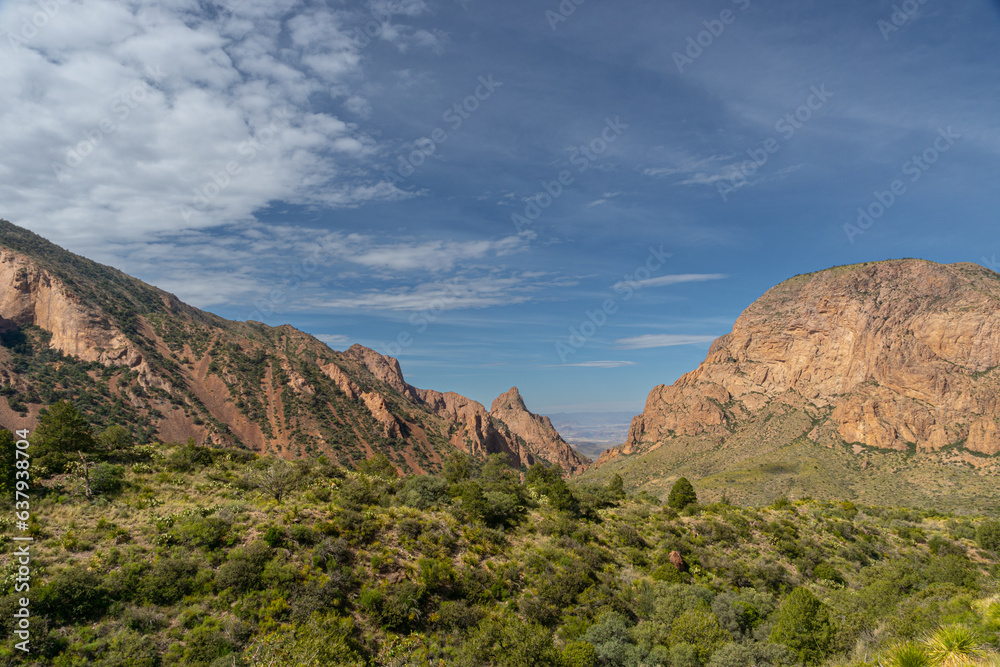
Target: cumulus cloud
[{"x": 148, "y": 117}]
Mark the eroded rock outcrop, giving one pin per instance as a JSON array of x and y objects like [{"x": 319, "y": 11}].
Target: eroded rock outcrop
[
  {"x": 537, "y": 431},
  {"x": 900, "y": 355},
  {"x": 474, "y": 430}
]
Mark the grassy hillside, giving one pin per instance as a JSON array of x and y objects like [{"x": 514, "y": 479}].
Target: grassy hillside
[
  {"x": 185, "y": 555},
  {"x": 761, "y": 462}
]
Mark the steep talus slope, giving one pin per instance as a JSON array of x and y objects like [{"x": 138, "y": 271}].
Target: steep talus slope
[
  {"x": 900, "y": 355},
  {"x": 127, "y": 352}
]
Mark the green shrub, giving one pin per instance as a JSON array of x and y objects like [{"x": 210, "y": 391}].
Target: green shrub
[
  {"x": 378, "y": 465},
  {"x": 753, "y": 653},
  {"x": 507, "y": 641},
  {"x": 395, "y": 607},
  {"x": 612, "y": 641},
  {"x": 667, "y": 573},
  {"x": 955, "y": 644},
  {"x": 274, "y": 536},
  {"x": 205, "y": 644},
  {"x": 323, "y": 640},
  {"x": 302, "y": 534},
  {"x": 908, "y": 655},
  {"x": 699, "y": 629},
  {"x": 72, "y": 595},
  {"x": 458, "y": 614},
  {"x": 145, "y": 620},
  {"x": 579, "y": 654},
  {"x": 168, "y": 580},
  {"x": 128, "y": 647},
  {"x": 244, "y": 568},
  {"x": 190, "y": 457},
  {"x": 60, "y": 435},
  {"x": 209, "y": 532},
  {"x": 827, "y": 572},
  {"x": 988, "y": 535},
  {"x": 424, "y": 492}
]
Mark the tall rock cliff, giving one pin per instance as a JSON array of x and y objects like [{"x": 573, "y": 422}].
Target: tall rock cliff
[
  {"x": 542, "y": 438},
  {"x": 896, "y": 355}
]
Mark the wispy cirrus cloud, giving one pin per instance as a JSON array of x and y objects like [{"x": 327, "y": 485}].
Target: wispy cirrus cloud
[
  {"x": 674, "y": 279},
  {"x": 434, "y": 256},
  {"x": 454, "y": 294},
  {"x": 333, "y": 339},
  {"x": 661, "y": 340},
  {"x": 596, "y": 364}
]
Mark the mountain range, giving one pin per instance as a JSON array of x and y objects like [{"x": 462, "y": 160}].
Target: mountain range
[
  {"x": 126, "y": 352},
  {"x": 875, "y": 381}
]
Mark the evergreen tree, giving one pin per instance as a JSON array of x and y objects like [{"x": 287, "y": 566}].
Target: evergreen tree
[
  {"x": 61, "y": 434},
  {"x": 802, "y": 623},
  {"x": 682, "y": 494},
  {"x": 7, "y": 459},
  {"x": 616, "y": 487}
]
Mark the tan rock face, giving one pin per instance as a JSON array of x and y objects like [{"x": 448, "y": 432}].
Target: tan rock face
[
  {"x": 541, "y": 437},
  {"x": 900, "y": 354},
  {"x": 30, "y": 295},
  {"x": 376, "y": 405},
  {"x": 476, "y": 431},
  {"x": 385, "y": 369}
]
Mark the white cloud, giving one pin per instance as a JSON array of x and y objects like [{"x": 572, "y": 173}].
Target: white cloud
[
  {"x": 661, "y": 340},
  {"x": 149, "y": 117},
  {"x": 332, "y": 339},
  {"x": 439, "y": 296},
  {"x": 596, "y": 364},
  {"x": 429, "y": 256},
  {"x": 675, "y": 279},
  {"x": 244, "y": 263}
]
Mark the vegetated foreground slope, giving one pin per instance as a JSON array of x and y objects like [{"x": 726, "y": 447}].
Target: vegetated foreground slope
[
  {"x": 126, "y": 352},
  {"x": 876, "y": 381},
  {"x": 185, "y": 557}
]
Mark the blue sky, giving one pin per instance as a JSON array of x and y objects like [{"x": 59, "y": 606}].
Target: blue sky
[{"x": 572, "y": 198}]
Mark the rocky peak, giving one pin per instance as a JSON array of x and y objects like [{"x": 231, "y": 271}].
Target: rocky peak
[
  {"x": 509, "y": 400},
  {"x": 537, "y": 431}
]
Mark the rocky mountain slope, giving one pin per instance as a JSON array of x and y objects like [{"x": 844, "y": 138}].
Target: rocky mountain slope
[
  {"x": 510, "y": 409},
  {"x": 901, "y": 355},
  {"x": 126, "y": 352}
]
